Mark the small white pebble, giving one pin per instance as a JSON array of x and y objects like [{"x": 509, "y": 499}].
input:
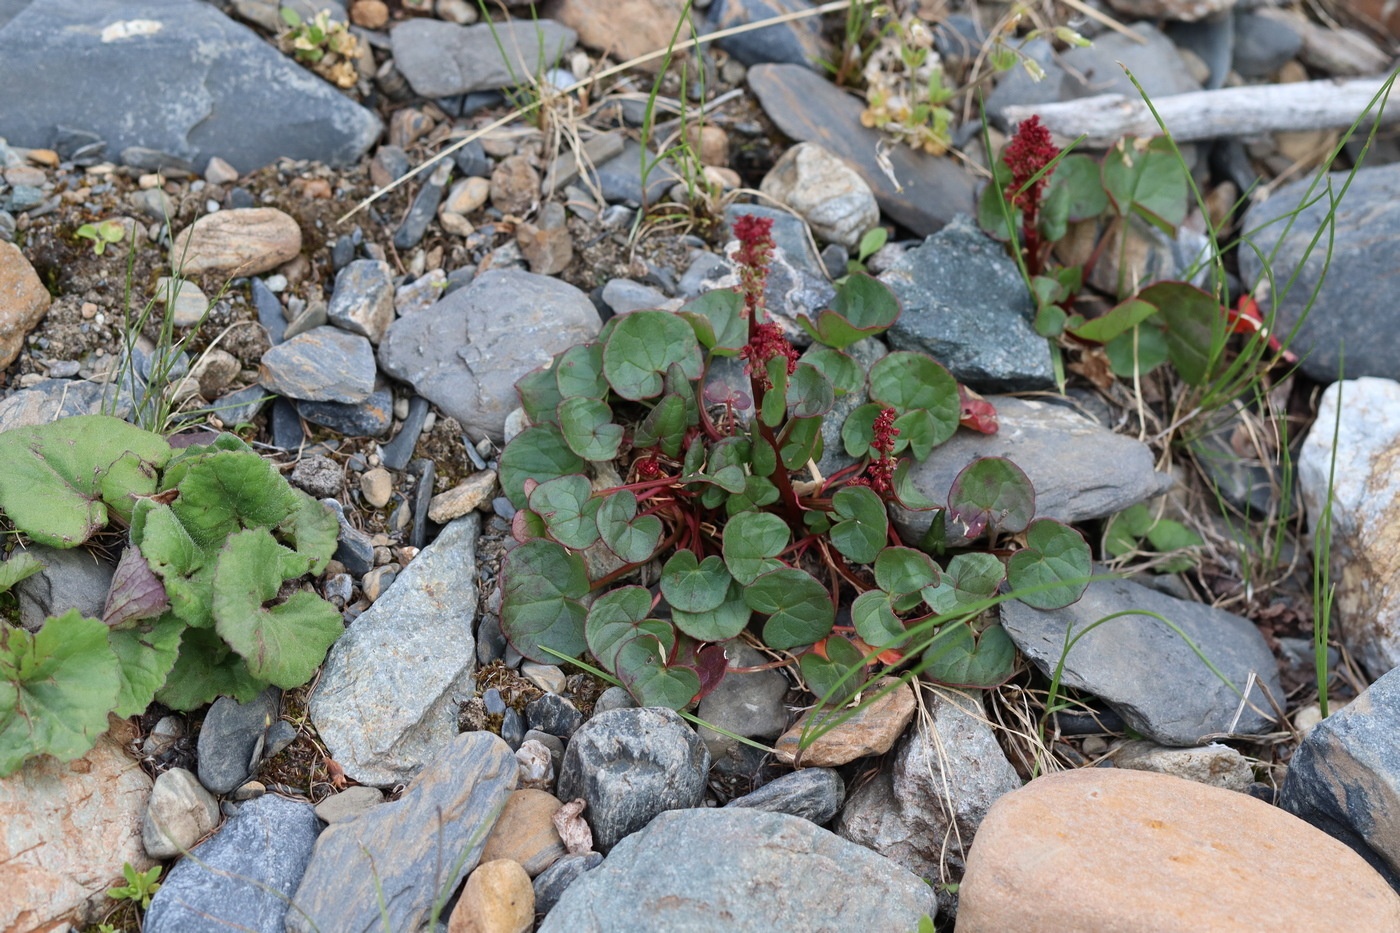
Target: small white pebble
[
  {"x": 211, "y": 205},
  {"x": 276, "y": 283},
  {"x": 429, "y": 421}
]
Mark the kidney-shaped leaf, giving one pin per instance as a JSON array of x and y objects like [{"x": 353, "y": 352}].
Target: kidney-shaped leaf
[
  {"x": 641, "y": 347},
  {"x": 863, "y": 306},
  {"x": 542, "y": 588},
  {"x": 693, "y": 585},
  {"x": 991, "y": 491},
  {"x": 798, "y": 607},
  {"x": 863, "y": 528},
  {"x": 960, "y": 659},
  {"x": 539, "y": 453},
  {"x": 1055, "y": 556},
  {"x": 875, "y": 621},
  {"x": 631, "y": 538},
  {"x": 588, "y": 428},
  {"x": 826, "y": 676},
  {"x": 642, "y": 668},
  {"x": 618, "y": 615},
  {"x": 752, "y": 543},
  {"x": 566, "y": 507},
  {"x": 720, "y": 623}
]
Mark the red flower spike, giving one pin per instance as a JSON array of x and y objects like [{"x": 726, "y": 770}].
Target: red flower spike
[
  {"x": 755, "y": 236},
  {"x": 767, "y": 343},
  {"x": 1029, "y": 151},
  {"x": 885, "y": 432}
]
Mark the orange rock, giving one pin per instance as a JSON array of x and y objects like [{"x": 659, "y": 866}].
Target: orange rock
[
  {"x": 625, "y": 28},
  {"x": 1110, "y": 850},
  {"x": 498, "y": 898},
  {"x": 872, "y": 731},
  {"x": 371, "y": 14},
  {"x": 525, "y": 833},
  {"x": 23, "y": 301},
  {"x": 243, "y": 241}
]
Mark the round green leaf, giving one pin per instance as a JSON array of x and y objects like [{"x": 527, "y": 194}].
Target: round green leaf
[
  {"x": 798, "y": 607},
  {"x": 641, "y": 666},
  {"x": 694, "y": 586},
  {"x": 722, "y": 623},
  {"x": 991, "y": 491},
  {"x": 827, "y": 676},
  {"x": 902, "y": 570},
  {"x": 568, "y": 510},
  {"x": 864, "y": 526},
  {"x": 588, "y": 428},
  {"x": 717, "y": 319},
  {"x": 958, "y": 658},
  {"x": 875, "y": 620},
  {"x": 863, "y": 306},
  {"x": 752, "y": 542},
  {"x": 641, "y": 347},
  {"x": 578, "y": 372},
  {"x": 542, "y": 588},
  {"x": 664, "y": 425},
  {"x": 970, "y": 578},
  {"x": 905, "y": 380},
  {"x": 1055, "y": 555},
  {"x": 630, "y": 538},
  {"x": 845, "y": 373},
  {"x": 809, "y": 392},
  {"x": 539, "y": 453},
  {"x": 1140, "y": 350},
  {"x": 858, "y": 430},
  {"x": 616, "y": 616},
  {"x": 539, "y": 394}
]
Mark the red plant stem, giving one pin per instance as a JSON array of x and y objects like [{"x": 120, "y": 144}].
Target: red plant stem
[{"x": 841, "y": 474}]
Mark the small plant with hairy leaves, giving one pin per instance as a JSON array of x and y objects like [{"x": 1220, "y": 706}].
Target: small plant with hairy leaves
[
  {"x": 205, "y": 600},
  {"x": 327, "y": 45},
  {"x": 642, "y": 461},
  {"x": 102, "y": 235},
  {"x": 140, "y": 886}
]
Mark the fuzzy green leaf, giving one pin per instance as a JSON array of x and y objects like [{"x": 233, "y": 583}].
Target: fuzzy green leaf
[
  {"x": 642, "y": 346},
  {"x": 798, "y": 607},
  {"x": 56, "y": 688},
  {"x": 145, "y": 653},
  {"x": 542, "y": 588},
  {"x": 752, "y": 543},
  {"x": 21, "y": 564},
  {"x": 539, "y": 453},
  {"x": 205, "y": 670}
]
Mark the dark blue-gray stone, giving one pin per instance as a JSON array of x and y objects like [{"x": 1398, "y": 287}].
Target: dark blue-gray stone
[
  {"x": 343, "y": 253},
  {"x": 630, "y": 765},
  {"x": 812, "y": 793},
  {"x": 796, "y": 42},
  {"x": 287, "y": 432},
  {"x": 269, "y": 309},
  {"x": 325, "y": 364},
  {"x": 353, "y": 547},
  {"x": 551, "y": 883},
  {"x": 406, "y": 853},
  {"x": 1263, "y": 44},
  {"x": 1345, "y": 776},
  {"x": 230, "y": 737},
  {"x": 426, "y": 471},
  {"x": 1144, "y": 670},
  {"x": 70, "y": 579},
  {"x": 964, "y": 303},
  {"x": 512, "y": 728},
  {"x": 242, "y": 405},
  {"x": 442, "y": 59},
  {"x": 399, "y": 451},
  {"x": 422, "y": 211},
  {"x": 1349, "y": 307},
  {"x": 153, "y": 160},
  {"x": 757, "y": 871},
  {"x": 472, "y": 160},
  {"x": 619, "y": 179},
  {"x": 553, "y": 714},
  {"x": 242, "y": 877},
  {"x": 371, "y": 418},
  {"x": 490, "y": 640},
  {"x": 238, "y": 97}
]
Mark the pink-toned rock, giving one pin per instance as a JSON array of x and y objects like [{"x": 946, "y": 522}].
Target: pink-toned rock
[
  {"x": 243, "y": 241},
  {"x": 546, "y": 243},
  {"x": 624, "y": 28},
  {"x": 872, "y": 731},
  {"x": 23, "y": 301},
  {"x": 1115, "y": 851},
  {"x": 498, "y": 898},
  {"x": 462, "y": 498},
  {"x": 525, "y": 833},
  {"x": 68, "y": 826},
  {"x": 515, "y": 185}
]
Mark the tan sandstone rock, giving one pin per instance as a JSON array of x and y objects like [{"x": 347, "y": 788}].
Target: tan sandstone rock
[
  {"x": 23, "y": 301},
  {"x": 242, "y": 241}
]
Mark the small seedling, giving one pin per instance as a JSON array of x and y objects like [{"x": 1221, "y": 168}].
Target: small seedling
[
  {"x": 328, "y": 46},
  {"x": 140, "y": 886},
  {"x": 108, "y": 231},
  {"x": 870, "y": 244}
]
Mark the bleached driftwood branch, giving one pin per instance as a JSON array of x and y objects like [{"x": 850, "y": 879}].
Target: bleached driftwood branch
[{"x": 1235, "y": 111}]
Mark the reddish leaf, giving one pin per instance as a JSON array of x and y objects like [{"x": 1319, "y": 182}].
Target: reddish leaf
[
  {"x": 976, "y": 412},
  {"x": 136, "y": 592}
]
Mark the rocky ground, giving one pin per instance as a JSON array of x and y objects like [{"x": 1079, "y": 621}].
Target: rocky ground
[{"x": 429, "y": 769}]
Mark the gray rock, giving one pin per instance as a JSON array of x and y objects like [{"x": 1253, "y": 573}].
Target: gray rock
[
  {"x": 231, "y": 738},
  {"x": 746, "y": 866},
  {"x": 623, "y": 295},
  {"x": 1144, "y": 670},
  {"x": 349, "y": 803},
  {"x": 57, "y": 398},
  {"x": 466, "y": 352},
  {"x": 240, "y": 99},
  {"x": 924, "y": 811},
  {"x": 620, "y": 178},
  {"x": 1263, "y": 45},
  {"x": 242, "y": 405},
  {"x": 1348, "y": 308},
  {"x": 318, "y": 477},
  {"x": 1345, "y": 776},
  {"x": 812, "y": 793},
  {"x": 325, "y": 364},
  {"x": 630, "y": 765},
  {"x": 1215, "y": 764},
  {"x": 371, "y": 418},
  {"x": 287, "y": 431},
  {"x": 406, "y": 853},
  {"x": 551, "y": 883},
  {"x": 74, "y": 578},
  {"x": 614, "y": 698},
  {"x": 829, "y": 194},
  {"x": 387, "y": 701},
  {"x": 420, "y": 293},
  {"x": 1211, "y": 39},
  {"x": 179, "y": 814},
  {"x": 240, "y": 879},
  {"x": 423, "y": 209},
  {"x": 1364, "y": 490},
  {"x": 792, "y": 288},
  {"x": 750, "y": 705},
  {"x": 963, "y": 302},
  {"x": 1079, "y": 469},
  {"x": 353, "y": 547},
  {"x": 363, "y": 300},
  {"x": 796, "y": 42},
  {"x": 809, "y": 108},
  {"x": 442, "y": 59},
  {"x": 267, "y": 13},
  {"x": 399, "y": 451},
  {"x": 554, "y": 715},
  {"x": 789, "y": 234}
]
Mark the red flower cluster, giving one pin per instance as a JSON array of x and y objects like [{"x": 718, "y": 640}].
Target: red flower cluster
[
  {"x": 767, "y": 343},
  {"x": 1029, "y": 151},
  {"x": 879, "y": 474},
  {"x": 755, "y": 236}
]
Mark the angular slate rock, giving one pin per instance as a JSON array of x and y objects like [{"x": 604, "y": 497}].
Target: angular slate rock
[
  {"x": 554, "y": 715},
  {"x": 238, "y": 97},
  {"x": 923, "y": 812},
  {"x": 963, "y": 302},
  {"x": 465, "y": 352},
  {"x": 387, "y": 701},
  {"x": 371, "y": 418},
  {"x": 363, "y": 300},
  {"x": 399, "y": 451},
  {"x": 1079, "y": 469},
  {"x": 269, "y": 309},
  {"x": 230, "y": 736},
  {"x": 353, "y": 547},
  {"x": 812, "y": 793},
  {"x": 620, "y": 178},
  {"x": 71, "y": 579},
  {"x": 242, "y": 877},
  {"x": 1345, "y": 776},
  {"x": 1144, "y": 670},
  {"x": 1349, "y": 308},
  {"x": 630, "y": 765},
  {"x": 809, "y": 108},
  {"x": 422, "y": 210},
  {"x": 551, "y": 883},
  {"x": 796, "y": 42},
  {"x": 57, "y": 398},
  {"x": 442, "y": 59},
  {"x": 410, "y": 851},
  {"x": 325, "y": 364},
  {"x": 757, "y": 871}
]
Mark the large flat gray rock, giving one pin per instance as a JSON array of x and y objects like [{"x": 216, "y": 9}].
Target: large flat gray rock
[
  {"x": 741, "y": 871},
  {"x": 442, "y": 59},
  {"x": 1144, "y": 670},
  {"x": 387, "y": 700},
  {"x": 172, "y": 75}
]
